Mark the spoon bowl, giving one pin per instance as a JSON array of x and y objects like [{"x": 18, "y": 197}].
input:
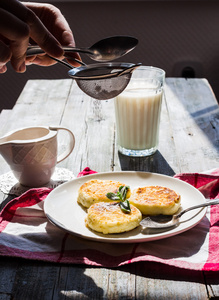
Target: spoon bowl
[
  {"x": 112, "y": 48},
  {"x": 162, "y": 221}
]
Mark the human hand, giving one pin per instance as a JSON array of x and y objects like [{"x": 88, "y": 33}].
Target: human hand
[
  {"x": 21, "y": 24},
  {"x": 55, "y": 22}
]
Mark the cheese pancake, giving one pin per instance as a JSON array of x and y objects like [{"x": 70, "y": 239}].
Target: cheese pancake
[
  {"x": 155, "y": 200},
  {"x": 109, "y": 218},
  {"x": 95, "y": 190}
]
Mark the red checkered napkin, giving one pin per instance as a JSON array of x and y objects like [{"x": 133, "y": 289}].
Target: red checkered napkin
[{"x": 25, "y": 232}]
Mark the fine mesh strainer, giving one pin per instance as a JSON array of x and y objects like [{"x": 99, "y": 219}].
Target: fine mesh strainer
[
  {"x": 100, "y": 81},
  {"x": 103, "y": 81}
]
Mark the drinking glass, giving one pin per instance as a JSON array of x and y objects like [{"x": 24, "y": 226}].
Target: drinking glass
[{"x": 137, "y": 111}]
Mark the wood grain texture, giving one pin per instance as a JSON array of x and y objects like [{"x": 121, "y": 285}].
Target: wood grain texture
[{"x": 189, "y": 135}]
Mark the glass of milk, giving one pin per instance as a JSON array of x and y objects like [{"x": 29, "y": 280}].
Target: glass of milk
[{"x": 137, "y": 111}]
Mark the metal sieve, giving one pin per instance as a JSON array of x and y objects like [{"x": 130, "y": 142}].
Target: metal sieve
[
  {"x": 100, "y": 81},
  {"x": 103, "y": 81}
]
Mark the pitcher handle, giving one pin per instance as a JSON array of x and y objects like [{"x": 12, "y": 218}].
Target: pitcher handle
[{"x": 71, "y": 144}]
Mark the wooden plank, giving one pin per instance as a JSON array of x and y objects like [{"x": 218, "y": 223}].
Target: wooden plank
[
  {"x": 80, "y": 282},
  {"x": 122, "y": 284},
  {"x": 191, "y": 116},
  {"x": 8, "y": 269},
  {"x": 212, "y": 280},
  {"x": 4, "y": 115},
  {"x": 35, "y": 280},
  {"x": 157, "y": 281},
  {"x": 164, "y": 161},
  {"x": 42, "y": 102},
  {"x": 93, "y": 125},
  {"x": 136, "y": 281}
]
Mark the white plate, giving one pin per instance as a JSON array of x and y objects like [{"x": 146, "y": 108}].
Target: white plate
[{"x": 62, "y": 209}]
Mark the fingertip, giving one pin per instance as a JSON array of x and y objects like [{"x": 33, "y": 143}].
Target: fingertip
[
  {"x": 74, "y": 59},
  {"x": 21, "y": 68},
  {"x": 3, "y": 69},
  {"x": 74, "y": 63}
]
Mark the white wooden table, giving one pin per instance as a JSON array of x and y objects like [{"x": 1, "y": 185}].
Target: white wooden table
[{"x": 189, "y": 138}]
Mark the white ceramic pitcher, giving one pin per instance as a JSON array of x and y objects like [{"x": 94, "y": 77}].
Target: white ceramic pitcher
[{"x": 32, "y": 153}]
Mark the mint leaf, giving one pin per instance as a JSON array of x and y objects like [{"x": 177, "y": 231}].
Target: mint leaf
[
  {"x": 123, "y": 191},
  {"x": 121, "y": 195},
  {"x": 125, "y": 206},
  {"x": 112, "y": 196}
]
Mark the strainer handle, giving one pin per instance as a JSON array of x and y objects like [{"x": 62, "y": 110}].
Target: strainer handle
[
  {"x": 35, "y": 49},
  {"x": 66, "y": 64}
]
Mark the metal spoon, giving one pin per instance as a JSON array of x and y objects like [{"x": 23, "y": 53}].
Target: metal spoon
[
  {"x": 161, "y": 221},
  {"x": 105, "y": 50}
]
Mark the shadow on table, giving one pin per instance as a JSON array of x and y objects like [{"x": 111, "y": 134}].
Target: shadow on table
[
  {"x": 155, "y": 163},
  {"x": 165, "y": 249},
  {"x": 7, "y": 199},
  {"x": 53, "y": 281},
  {"x": 158, "y": 271}
]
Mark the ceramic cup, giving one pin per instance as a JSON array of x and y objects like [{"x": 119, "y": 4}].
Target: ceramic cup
[{"x": 32, "y": 153}]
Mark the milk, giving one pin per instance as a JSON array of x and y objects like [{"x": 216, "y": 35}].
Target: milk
[{"x": 137, "y": 118}]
